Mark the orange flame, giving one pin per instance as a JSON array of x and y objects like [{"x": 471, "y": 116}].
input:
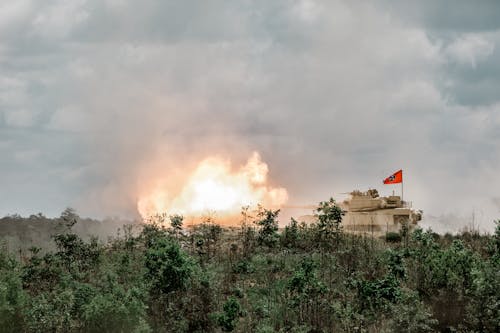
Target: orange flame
[{"x": 214, "y": 187}]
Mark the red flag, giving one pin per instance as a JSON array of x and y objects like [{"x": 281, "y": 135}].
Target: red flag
[{"x": 395, "y": 178}]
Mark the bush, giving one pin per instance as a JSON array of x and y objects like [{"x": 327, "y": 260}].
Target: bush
[
  {"x": 393, "y": 237},
  {"x": 115, "y": 310},
  {"x": 329, "y": 216},
  {"x": 411, "y": 315},
  {"x": 12, "y": 295},
  {"x": 229, "y": 318},
  {"x": 243, "y": 267},
  {"x": 50, "y": 312},
  {"x": 168, "y": 267},
  {"x": 290, "y": 236},
  {"x": 268, "y": 232}
]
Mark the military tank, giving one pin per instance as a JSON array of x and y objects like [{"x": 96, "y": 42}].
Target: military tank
[{"x": 368, "y": 213}]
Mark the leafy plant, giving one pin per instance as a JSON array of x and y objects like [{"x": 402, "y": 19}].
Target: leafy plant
[
  {"x": 290, "y": 236},
  {"x": 268, "y": 223},
  {"x": 167, "y": 266},
  {"x": 176, "y": 222},
  {"x": 329, "y": 216},
  {"x": 12, "y": 296},
  {"x": 228, "y": 319},
  {"x": 393, "y": 237}
]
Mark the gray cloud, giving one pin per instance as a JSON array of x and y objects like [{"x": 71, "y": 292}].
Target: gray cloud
[
  {"x": 96, "y": 96},
  {"x": 452, "y": 16}
]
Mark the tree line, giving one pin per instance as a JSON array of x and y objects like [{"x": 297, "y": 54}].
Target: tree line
[{"x": 162, "y": 277}]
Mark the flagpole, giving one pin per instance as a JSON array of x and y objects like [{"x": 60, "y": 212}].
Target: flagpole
[{"x": 402, "y": 190}]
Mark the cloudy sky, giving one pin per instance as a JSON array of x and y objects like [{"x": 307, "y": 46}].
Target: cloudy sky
[{"x": 98, "y": 97}]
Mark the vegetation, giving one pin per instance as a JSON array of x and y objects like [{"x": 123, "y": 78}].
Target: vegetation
[{"x": 256, "y": 278}]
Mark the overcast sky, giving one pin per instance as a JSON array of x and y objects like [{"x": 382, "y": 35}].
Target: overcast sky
[{"x": 97, "y": 96}]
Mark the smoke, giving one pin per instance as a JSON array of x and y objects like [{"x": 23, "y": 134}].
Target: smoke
[
  {"x": 496, "y": 202},
  {"x": 100, "y": 101}
]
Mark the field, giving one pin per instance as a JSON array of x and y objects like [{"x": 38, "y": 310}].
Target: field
[{"x": 161, "y": 277}]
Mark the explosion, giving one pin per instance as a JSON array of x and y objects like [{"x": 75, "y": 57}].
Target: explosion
[{"x": 213, "y": 187}]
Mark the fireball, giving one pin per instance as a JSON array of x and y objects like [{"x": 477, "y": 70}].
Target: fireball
[{"x": 214, "y": 187}]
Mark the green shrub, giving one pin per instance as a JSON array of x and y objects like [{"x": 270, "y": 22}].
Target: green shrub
[
  {"x": 228, "y": 319},
  {"x": 290, "y": 236},
  {"x": 168, "y": 267},
  {"x": 51, "y": 312},
  {"x": 411, "y": 315},
  {"x": 393, "y": 237},
  {"x": 243, "y": 267},
  {"x": 115, "y": 310},
  {"x": 12, "y": 295},
  {"x": 329, "y": 227},
  {"x": 268, "y": 223}
]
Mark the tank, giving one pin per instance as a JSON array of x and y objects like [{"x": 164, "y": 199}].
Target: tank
[{"x": 368, "y": 213}]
